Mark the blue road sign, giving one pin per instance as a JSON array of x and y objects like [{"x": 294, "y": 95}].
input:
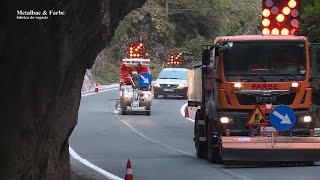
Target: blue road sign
[
  {"x": 282, "y": 118},
  {"x": 145, "y": 79}
]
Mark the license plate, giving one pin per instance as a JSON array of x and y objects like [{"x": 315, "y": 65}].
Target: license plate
[
  {"x": 267, "y": 130},
  {"x": 170, "y": 90}
]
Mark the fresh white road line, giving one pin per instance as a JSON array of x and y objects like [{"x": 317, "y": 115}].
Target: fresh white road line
[
  {"x": 182, "y": 111},
  {"x": 92, "y": 166},
  {"x": 152, "y": 140},
  {"x": 86, "y": 162},
  {"x": 226, "y": 171},
  {"x": 100, "y": 91}
]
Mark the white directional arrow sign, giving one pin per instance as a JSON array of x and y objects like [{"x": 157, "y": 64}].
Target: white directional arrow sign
[
  {"x": 284, "y": 119},
  {"x": 145, "y": 80}
]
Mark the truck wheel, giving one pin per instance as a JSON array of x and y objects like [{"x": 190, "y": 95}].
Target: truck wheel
[
  {"x": 214, "y": 155},
  {"x": 148, "y": 111},
  {"x": 123, "y": 109},
  {"x": 201, "y": 146},
  {"x": 156, "y": 96}
]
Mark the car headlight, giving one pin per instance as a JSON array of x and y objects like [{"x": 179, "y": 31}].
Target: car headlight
[
  {"x": 182, "y": 85},
  {"x": 156, "y": 85}
]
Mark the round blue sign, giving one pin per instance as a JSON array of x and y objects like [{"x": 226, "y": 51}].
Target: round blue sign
[
  {"x": 282, "y": 118},
  {"x": 145, "y": 79}
]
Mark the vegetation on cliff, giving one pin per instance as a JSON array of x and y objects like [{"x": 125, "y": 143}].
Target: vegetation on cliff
[{"x": 184, "y": 26}]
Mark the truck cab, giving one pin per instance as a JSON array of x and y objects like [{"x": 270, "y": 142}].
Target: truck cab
[
  {"x": 242, "y": 74},
  {"x": 263, "y": 70}
]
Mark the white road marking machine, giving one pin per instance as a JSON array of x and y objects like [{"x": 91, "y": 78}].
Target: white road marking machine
[{"x": 136, "y": 97}]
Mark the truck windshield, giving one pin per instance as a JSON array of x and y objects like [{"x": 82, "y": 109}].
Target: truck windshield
[
  {"x": 265, "y": 61},
  {"x": 172, "y": 74}
]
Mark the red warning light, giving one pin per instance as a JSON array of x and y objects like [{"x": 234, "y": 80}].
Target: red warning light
[
  {"x": 265, "y": 22},
  {"x": 286, "y": 11},
  {"x": 280, "y": 17},
  {"x": 292, "y": 4},
  {"x": 266, "y": 13},
  {"x": 275, "y": 31},
  {"x": 284, "y": 31},
  {"x": 265, "y": 31}
]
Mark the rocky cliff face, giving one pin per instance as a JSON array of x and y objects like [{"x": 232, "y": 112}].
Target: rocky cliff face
[
  {"x": 42, "y": 66},
  {"x": 89, "y": 81}
]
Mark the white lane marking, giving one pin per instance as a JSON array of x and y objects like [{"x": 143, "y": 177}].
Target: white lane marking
[
  {"x": 92, "y": 93},
  {"x": 92, "y": 166},
  {"x": 86, "y": 162},
  {"x": 182, "y": 112},
  {"x": 152, "y": 140}
]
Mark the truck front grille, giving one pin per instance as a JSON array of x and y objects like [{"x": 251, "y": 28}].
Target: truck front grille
[
  {"x": 169, "y": 86},
  {"x": 276, "y": 99}
]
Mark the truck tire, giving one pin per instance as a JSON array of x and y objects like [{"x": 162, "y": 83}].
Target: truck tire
[
  {"x": 199, "y": 131},
  {"x": 214, "y": 150},
  {"x": 155, "y": 96},
  {"x": 123, "y": 109},
  {"x": 148, "y": 111}
]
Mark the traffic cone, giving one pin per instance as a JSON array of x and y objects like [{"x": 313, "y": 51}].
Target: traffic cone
[
  {"x": 96, "y": 88},
  {"x": 186, "y": 112},
  {"x": 129, "y": 175}
]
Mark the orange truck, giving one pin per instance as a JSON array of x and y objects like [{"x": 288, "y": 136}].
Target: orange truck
[{"x": 253, "y": 98}]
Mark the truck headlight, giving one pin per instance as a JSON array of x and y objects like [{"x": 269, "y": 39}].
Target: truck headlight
[
  {"x": 294, "y": 84},
  {"x": 182, "y": 86},
  {"x": 224, "y": 120},
  {"x": 306, "y": 119},
  {"x": 237, "y": 85}
]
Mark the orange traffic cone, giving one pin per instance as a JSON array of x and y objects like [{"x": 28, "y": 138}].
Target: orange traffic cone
[
  {"x": 129, "y": 175},
  {"x": 96, "y": 88},
  {"x": 186, "y": 112}
]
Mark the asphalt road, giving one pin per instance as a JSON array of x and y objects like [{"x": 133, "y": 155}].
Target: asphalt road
[{"x": 159, "y": 146}]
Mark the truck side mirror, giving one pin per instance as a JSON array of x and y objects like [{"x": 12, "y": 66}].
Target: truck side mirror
[
  {"x": 206, "y": 57},
  {"x": 226, "y": 47}
]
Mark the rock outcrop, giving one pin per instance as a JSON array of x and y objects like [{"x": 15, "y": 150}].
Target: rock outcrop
[
  {"x": 89, "y": 81},
  {"x": 42, "y": 66}
]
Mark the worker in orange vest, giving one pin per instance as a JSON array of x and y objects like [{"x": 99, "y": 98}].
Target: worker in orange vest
[
  {"x": 125, "y": 74},
  {"x": 141, "y": 69}
]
